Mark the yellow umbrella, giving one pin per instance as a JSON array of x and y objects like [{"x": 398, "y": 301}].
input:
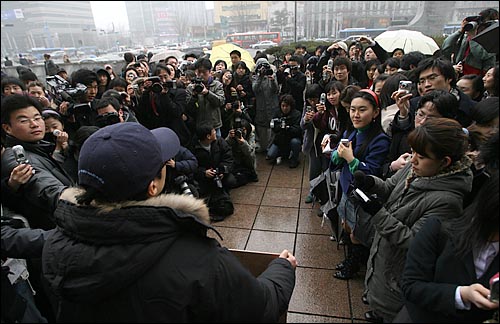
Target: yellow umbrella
[{"x": 221, "y": 52}]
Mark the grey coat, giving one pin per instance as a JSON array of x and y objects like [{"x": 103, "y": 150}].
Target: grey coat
[
  {"x": 266, "y": 100},
  {"x": 206, "y": 108},
  {"x": 411, "y": 201}
]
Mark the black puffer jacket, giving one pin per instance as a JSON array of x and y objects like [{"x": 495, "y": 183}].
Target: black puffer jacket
[
  {"x": 37, "y": 199},
  {"x": 151, "y": 261}
]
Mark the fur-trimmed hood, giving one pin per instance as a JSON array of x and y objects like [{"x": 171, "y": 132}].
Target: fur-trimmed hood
[{"x": 184, "y": 204}]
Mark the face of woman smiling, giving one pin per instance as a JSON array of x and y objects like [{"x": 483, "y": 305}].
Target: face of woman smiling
[{"x": 362, "y": 112}]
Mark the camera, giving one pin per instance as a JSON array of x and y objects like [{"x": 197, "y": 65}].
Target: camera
[
  {"x": 322, "y": 99},
  {"x": 278, "y": 123},
  {"x": 238, "y": 127},
  {"x": 335, "y": 52},
  {"x": 56, "y": 132},
  {"x": 198, "y": 84},
  {"x": 309, "y": 109},
  {"x": 159, "y": 86},
  {"x": 472, "y": 22},
  {"x": 61, "y": 90},
  {"x": 220, "y": 170},
  {"x": 181, "y": 182},
  {"x": 345, "y": 142},
  {"x": 107, "y": 119},
  {"x": 405, "y": 86},
  {"x": 20, "y": 154},
  {"x": 265, "y": 69}
]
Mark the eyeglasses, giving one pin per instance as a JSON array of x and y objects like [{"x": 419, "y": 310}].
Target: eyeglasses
[
  {"x": 421, "y": 116},
  {"x": 430, "y": 78},
  {"x": 25, "y": 121}
]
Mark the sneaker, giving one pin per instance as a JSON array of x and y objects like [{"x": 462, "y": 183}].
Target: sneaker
[
  {"x": 278, "y": 160},
  {"x": 293, "y": 164},
  {"x": 309, "y": 199},
  {"x": 216, "y": 218}
]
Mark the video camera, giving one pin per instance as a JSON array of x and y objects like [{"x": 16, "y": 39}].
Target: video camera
[
  {"x": 278, "y": 123},
  {"x": 158, "y": 86},
  {"x": 61, "y": 90},
  {"x": 288, "y": 68}
]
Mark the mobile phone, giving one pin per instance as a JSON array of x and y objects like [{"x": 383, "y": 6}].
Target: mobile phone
[
  {"x": 405, "y": 86},
  {"x": 309, "y": 108},
  {"x": 493, "y": 297},
  {"x": 345, "y": 141},
  {"x": 20, "y": 154},
  {"x": 322, "y": 99}
]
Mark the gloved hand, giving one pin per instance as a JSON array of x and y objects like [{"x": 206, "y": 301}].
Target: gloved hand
[{"x": 372, "y": 207}]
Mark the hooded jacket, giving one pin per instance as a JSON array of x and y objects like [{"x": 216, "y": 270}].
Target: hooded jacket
[
  {"x": 410, "y": 201},
  {"x": 151, "y": 261}
]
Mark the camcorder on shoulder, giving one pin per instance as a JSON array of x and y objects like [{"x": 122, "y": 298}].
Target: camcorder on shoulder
[{"x": 61, "y": 90}]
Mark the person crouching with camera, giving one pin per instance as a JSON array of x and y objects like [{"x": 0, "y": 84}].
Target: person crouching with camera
[
  {"x": 286, "y": 139},
  {"x": 241, "y": 139}
]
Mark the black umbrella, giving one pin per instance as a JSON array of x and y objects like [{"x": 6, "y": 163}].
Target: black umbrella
[{"x": 488, "y": 38}]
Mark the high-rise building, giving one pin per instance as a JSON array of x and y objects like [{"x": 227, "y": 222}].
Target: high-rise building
[
  {"x": 32, "y": 24},
  {"x": 241, "y": 16}
]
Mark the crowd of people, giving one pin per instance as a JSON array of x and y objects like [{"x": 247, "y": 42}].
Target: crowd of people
[{"x": 111, "y": 179}]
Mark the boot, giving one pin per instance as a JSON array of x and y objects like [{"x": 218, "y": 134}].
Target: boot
[
  {"x": 346, "y": 239},
  {"x": 351, "y": 268}
]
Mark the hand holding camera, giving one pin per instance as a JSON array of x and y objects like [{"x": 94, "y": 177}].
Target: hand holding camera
[
  {"x": 362, "y": 182},
  {"x": 344, "y": 150}
]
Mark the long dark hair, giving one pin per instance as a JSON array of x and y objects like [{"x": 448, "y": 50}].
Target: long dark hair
[{"x": 479, "y": 221}]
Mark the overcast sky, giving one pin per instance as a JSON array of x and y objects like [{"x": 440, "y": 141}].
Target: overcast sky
[{"x": 107, "y": 13}]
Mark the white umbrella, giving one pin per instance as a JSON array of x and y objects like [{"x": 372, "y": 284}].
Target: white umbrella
[{"x": 408, "y": 40}]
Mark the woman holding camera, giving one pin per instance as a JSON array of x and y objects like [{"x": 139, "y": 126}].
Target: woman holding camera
[
  {"x": 364, "y": 149},
  {"x": 450, "y": 261}
]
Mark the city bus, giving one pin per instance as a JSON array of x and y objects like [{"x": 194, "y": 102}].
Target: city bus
[
  {"x": 450, "y": 29},
  {"x": 372, "y": 32},
  {"x": 244, "y": 40}
]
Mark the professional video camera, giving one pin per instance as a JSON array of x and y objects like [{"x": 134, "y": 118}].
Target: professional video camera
[
  {"x": 220, "y": 170},
  {"x": 278, "y": 123},
  {"x": 158, "y": 86},
  {"x": 264, "y": 69},
  {"x": 61, "y": 90},
  {"x": 181, "y": 181},
  {"x": 198, "y": 84},
  {"x": 107, "y": 119}
]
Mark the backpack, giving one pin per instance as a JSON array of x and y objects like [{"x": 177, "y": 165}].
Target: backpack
[{"x": 220, "y": 205}]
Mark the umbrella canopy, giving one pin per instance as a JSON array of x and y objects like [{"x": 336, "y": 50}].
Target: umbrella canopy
[
  {"x": 408, "y": 40},
  {"x": 488, "y": 38},
  {"x": 166, "y": 53},
  {"x": 221, "y": 52}
]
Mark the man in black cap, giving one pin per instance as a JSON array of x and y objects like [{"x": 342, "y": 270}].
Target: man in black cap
[{"x": 123, "y": 252}]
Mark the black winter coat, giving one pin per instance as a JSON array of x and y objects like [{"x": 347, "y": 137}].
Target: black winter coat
[{"x": 151, "y": 261}]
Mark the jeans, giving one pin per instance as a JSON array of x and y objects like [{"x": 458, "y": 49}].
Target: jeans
[{"x": 294, "y": 146}]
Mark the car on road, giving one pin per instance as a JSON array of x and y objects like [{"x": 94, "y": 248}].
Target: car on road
[{"x": 263, "y": 45}]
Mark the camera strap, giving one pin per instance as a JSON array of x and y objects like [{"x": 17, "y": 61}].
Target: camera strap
[{"x": 153, "y": 104}]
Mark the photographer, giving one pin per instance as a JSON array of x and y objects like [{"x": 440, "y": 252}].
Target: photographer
[
  {"x": 265, "y": 88},
  {"x": 79, "y": 110},
  {"x": 124, "y": 99},
  {"x": 108, "y": 112},
  {"x": 163, "y": 104},
  {"x": 215, "y": 160},
  {"x": 204, "y": 98},
  {"x": 233, "y": 109},
  {"x": 467, "y": 56},
  {"x": 241, "y": 139},
  {"x": 287, "y": 135},
  {"x": 293, "y": 81}
]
